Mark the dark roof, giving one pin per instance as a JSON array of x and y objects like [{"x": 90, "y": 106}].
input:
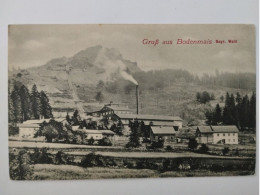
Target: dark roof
[
  {"x": 149, "y": 117},
  {"x": 218, "y": 129},
  {"x": 205, "y": 129},
  {"x": 163, "y": 130},
  {"x": 161, "y": 123},
  {"x": 225, "y": 129},
  {"x": 119, "y": 108}
]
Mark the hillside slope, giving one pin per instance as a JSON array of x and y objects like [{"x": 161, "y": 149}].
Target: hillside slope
[{"x": 167, "y": 92}]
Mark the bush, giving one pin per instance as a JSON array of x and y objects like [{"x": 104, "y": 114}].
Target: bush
[
  {"x": 91, "y": 141},
  {"x": 217, "y": 168},
  {"x": 236, "y": 152},
  {"x": 77, "y": 139},
  {"x": 225, "y": 150},
  {"x": 19, "y": 165},
  {"x": 158, "y": 144},
  {"x": 166, "y": 165},
  {"x": 146, "y": 164},
  {"x": 193, "y": 144},
  {"x": 203, "y": 97},
  {"x": 128, "y": 165},
  {"x": 91, "y": 160},
  {"x": 40, "y": 156},
  {"x": 169, "y": 148},
  {"x": 204, "y": 148},
  {"x": 104, "y": 142},
  {"x": 12, "y": 130},
  {"x": 61, "y": 158}
]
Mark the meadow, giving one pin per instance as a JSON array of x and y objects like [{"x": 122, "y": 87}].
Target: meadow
[{"x": 70, "y": 172}]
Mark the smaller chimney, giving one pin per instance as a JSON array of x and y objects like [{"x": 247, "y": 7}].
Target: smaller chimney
[{"x": 137, "y": 99}]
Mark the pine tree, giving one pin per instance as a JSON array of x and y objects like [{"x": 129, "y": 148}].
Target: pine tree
[
  {"x": 134, "y": 135},
  {"x": 76, "y": 117},
  {"x": 238, "y": 98},
  {"x": 227, "y": 115},
  {"x": 45, "y": 109},
  {"x": 233, "y": 110},
  {"x": 25, "y": 103},
  {"x": 244, "y": 112},
  {"x": 210, "y": 117},
  {"x": 252, "y": 112},
  {"x": 198, "y": 96},
  {"x": 36, "y": 102},
  {"x": 218, "y": 114},
  {"x": 99, "y": 97},
  {"x": 68, "y": 118},
  {"x": 16, "y": 100},
  {"x": 222, "y": 98},
  {"x": 11, "y": 116},
  {"x": 212, "y": 96},
  {"x": 227, "y": 99}
]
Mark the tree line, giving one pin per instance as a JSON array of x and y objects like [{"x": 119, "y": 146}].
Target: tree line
[
  {"x": 160, "y": 79},
  {"x": 25, "y": 105},
  {"x": 204, "y": 97},
  {"x": 238, "y": 110}
]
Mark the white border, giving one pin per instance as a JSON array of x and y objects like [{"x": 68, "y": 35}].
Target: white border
[{"x": 120, "y": 11}]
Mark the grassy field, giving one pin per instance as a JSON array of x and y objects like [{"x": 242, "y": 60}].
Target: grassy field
[
  {"x": 81, "y": 150},
  {"x": 19, "y": 144},
  {"x": 69, "y": 172},
  {"x": 154, "y": 155}
]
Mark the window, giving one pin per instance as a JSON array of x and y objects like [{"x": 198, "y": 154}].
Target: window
[
  {"x": 228, "y": 140},
  {"x": 233, "y": 140},
  {"x": 218, "y": 134},
  {"x": 223, "y": 134},
  {"x": 229, "y": 134},
  {"x": 233, "y": 134}
]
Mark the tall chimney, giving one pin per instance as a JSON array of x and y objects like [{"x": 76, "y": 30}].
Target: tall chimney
[{"x": 137, "y": 99}]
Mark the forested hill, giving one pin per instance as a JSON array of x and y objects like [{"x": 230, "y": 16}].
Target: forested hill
[
  {"x": 163, "y": 78},
  {"x": 96, "y": 77}
]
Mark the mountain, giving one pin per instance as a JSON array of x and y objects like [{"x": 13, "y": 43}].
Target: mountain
[
  {"x": 86, "y": 67},
  {"x": 69, "y": 80}
]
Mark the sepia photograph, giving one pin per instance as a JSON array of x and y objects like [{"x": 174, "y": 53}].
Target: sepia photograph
[{"x": 107, "y": 101}]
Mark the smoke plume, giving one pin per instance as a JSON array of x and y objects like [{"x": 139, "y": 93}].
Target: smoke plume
[
  {"x": 128, "y": 77},
  {"x": 124, "y": 74},
  {"x": 110, "y": 59}
]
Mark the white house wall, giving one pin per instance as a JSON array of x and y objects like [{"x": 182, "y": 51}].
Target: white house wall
[
  {"x": 179, "y": 123},
  {"x": 205, "y": 139},
  {"x": 96, "y": 136},
  {"x": 230, "y": 138}
]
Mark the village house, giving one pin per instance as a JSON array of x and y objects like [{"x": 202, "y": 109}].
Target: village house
[
  {"x": 151, "y": 120},
  {"x": 217, "y": 134},
  {"x": 28, "y": 128},
  {"x": 168, "y": 134},
  {"x": 97, "y": 134},
  {"x": 91, "y": 133}
]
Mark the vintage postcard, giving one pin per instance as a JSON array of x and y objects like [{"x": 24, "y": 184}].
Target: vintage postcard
[{"x": 131, "y": 101}]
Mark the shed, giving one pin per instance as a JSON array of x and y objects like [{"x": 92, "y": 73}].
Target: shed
[{"x": 165, "y": 133}]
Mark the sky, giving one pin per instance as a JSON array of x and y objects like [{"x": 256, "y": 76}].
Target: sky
[{"x": 34, "y": 45}]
